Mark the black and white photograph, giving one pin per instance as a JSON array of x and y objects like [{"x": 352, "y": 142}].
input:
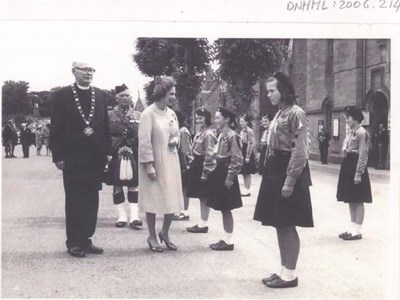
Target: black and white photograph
[{"x": 182, "y": 160}]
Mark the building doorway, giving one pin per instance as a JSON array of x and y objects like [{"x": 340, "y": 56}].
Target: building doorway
[{"x": 378, "y": 107}]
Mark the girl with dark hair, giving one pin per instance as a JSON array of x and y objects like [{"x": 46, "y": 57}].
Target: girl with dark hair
[
  {"x": 263, "y": 143},
  {"x": 354, "y": 186},
  {"x": 201, "y": 167},
  {"x": 160, "y": 190},
  {"x": 248, "y": 142},
  {"x": 224, "y": 192},
  {"x": 185, "y": 157},
  {"x": 284, "y": 198}
]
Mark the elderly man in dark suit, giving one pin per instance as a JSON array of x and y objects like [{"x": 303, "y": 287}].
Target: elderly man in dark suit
[{"x": 81, "y": 144}]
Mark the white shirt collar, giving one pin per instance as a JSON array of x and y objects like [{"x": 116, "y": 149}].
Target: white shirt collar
[{"x": 83, "y": 87}]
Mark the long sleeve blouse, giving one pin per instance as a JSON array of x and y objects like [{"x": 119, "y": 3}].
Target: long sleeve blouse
[
  {"x": 229, "y": 149},
  {"x": 357, "y": 141},
  {"x": 204, "y": 144},
  {"x": 289, "y": 131}
]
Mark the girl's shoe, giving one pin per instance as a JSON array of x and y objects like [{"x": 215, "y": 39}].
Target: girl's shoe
[
  {"x": 270, "y": 278},
  {"x": 282, "y": 284}
]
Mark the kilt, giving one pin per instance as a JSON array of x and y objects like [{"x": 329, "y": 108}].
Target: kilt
[
  {"x": 250, "y": 167},
  {"x": 195, "y": 187},
  {"x": 272, "y": 209},
  {"x": 220, "y": 198},
  {"x": 347, "y": 190},
  {"x": 261, "y": 162}
]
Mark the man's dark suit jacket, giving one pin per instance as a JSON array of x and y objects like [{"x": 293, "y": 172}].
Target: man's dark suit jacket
[{"x": 84, "y": 157}]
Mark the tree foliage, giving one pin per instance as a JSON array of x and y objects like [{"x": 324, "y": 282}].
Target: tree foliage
[
  {"x": 186, "y": 59},
  {"x": 15, "y": 98},
  {"x": 242, "y": 62}
]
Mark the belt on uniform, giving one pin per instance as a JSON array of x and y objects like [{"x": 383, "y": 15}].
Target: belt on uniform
[
  {"x": 276, "y": 152},
  {"x": 224, "y": 161},
  {"x": 124, "y": 135},
  {"x": 350, "y": 154}
]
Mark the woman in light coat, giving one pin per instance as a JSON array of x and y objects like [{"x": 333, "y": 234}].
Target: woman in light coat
[{"x": 160, "y": 189}]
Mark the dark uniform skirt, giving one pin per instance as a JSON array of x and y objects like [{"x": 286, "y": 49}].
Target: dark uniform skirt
[
  {"x": 220, "y": 198},
  {"x": 272, "y": 209},
  {"x": 196, "y": 187},
  {"x": 347, "y": 190},
  {"x": 250, "y": 167},
  {"x": 261, "y": 162}
]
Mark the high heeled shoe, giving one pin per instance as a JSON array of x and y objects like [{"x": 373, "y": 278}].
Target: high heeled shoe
[
  {"x": 154, "y": 248},
  {"x": 170, "y": 246}
]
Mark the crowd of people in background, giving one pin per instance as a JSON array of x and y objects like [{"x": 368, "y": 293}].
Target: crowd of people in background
[{"x": 27, "y": 135}]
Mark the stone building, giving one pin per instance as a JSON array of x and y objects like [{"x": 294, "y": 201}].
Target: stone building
[
  {"x": 331, "y": 74},
  {"x": 328, "y": 74}
]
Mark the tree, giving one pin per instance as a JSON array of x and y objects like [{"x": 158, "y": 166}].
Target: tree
[
  {"x": 186, "y": 59},
  {"x": 242, "y": 62},
  {"x": 15, "y": 98}
]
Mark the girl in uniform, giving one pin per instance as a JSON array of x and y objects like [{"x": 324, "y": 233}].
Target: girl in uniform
[
  {"x": 224, "y": 192},
  {"x": 284, "y": 198},
  {"x": 202, "y": 165},
  {"x": 263, "y": 143},
  {"x": 248, "y": 142},
  {"x": 185, "y": 157},
  {"x": 354, "y": 186}
]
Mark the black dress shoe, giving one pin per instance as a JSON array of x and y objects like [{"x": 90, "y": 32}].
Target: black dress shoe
[
  {"x": 136, "y": 224},
  {"x": 93, "y": 249},
  {"x": 76, "y": 251},
  {"x": 351, "y": 237},
  {"x": 154, "y": 248},
  {"x": 270, "y": 278},
  {"x": 180, "y": 217},
  {"x": 170, "y": 246},
  {"x": 222, "y": 246},
  {"x": 282, "y": 284},
  {"x": 120, "y": 224},
  {"x": 344, "y": 234},
  {"x": 197, "y": 229}
]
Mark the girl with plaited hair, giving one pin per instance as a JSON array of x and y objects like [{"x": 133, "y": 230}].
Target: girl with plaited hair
[{"x": 160, "y": 190}]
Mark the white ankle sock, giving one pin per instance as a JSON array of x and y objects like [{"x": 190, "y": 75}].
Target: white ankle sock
[
  {"x": 202, "y": 224},
  {"x": 186, "y": 212},
  {"x": 134, "y": 212},
  {"x": 122, "y": 213},
  {"x": 357, "y": 228},
  {"x": 229, "y": 238},
  {"x": 282, "y": 270},
  {"x": 289, "y": 275},
  {"x": 353, "y": 228}
]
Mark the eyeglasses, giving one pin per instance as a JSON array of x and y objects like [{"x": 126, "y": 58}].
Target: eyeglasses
[{"x": 86, "y": 70}]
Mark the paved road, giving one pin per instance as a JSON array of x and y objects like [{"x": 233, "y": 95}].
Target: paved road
[{"x": 35, "y": 262}]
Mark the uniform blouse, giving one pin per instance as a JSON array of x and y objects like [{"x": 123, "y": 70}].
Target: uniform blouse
[
  {"x": 229, "y": 149},
  {"x": 264, "y": 137},
  {"x": 185, "y": 147},
  {"x": 289, "y": 131},
  {"x": 124, "y": 121},
  {"x": 247, "y": 137},
  {"x": 204, "y": 144},
  {"x": 357, "y": 141}
]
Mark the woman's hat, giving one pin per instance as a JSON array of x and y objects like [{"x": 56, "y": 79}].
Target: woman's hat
[{"x": 120, "y": 88}]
